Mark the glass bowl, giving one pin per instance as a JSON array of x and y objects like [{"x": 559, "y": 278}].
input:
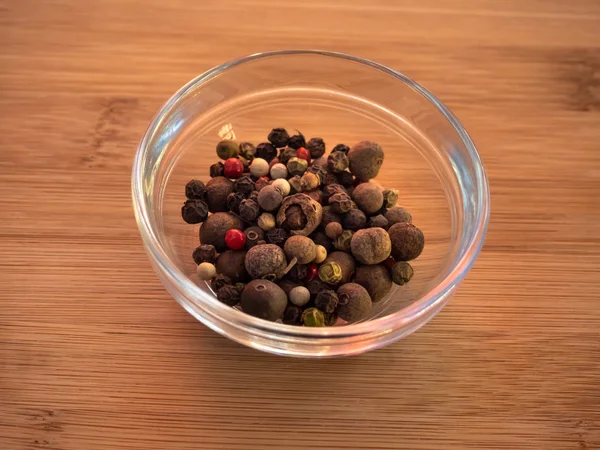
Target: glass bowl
[{"x": 429, "y": 158}]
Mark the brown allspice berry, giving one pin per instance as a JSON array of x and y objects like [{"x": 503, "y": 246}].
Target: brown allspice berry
[
  {"x": 371, "y": 245},
  {"x": 309, "y": 181},
  {"x": 320, "y": 238},
  {"x": 232, "y": 264},
  {"x": 300, "y": 247},
  {"x": 354, "y": 302},
  {"x": 298, "y": 272},
  {"x": 366, "y": 159},
  {"x": 354, "y": 219},
  {"x": 266, "y": 151},
  {"x": 205, "y": 253},
  {"x": 267, "y": 260},
  {"x": 194, "y": 211},
  {"x": 264, "y": 299},
  {"x": 311, "y": 209},
  {"x": 286, "y": 154},
  {"x": 333, "y": 230},
  {"x": 407, "y": 241},
  {"x": 402, "y": 272},
  {"x": 375, "y": 279},
  {"x": 217, "y": 169},
  {"x": 254, "y": 234},
  {"x": 249, "y": 210},
  {"x": 346, "y": 262},
  {"x": 340, "y": 203},
  {"x": 313, "y": 317},
  {"x": 292, "y": 315},
  {"x": 343, "y": 241},
  {"x": 327, "y": 301},
  {"x": 397, "y": 214},
  {"x": 279, "y": 137},
  {"x": 270, "y": 198},
  {"x": 244, "y": 184},
  {"x": 217, "y": 191},
  {"x": 195, "y": 190},
  {"x": 390, "y": 198},
  {"x": 378, "y": 221},
  {"x": 337, "y": 162},
  {"x": 276, "y": 236},
  {"x": 329, "y": 216},
  {"x": 215, "y": 227},
  {"x": 316, "y": 147},
  {"x": 368, "y": 197}
]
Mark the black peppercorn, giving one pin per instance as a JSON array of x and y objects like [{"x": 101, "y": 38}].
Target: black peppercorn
[
  {"x": 247, "y": 150},
  {"x": 341, "y": 148},
  {"x": 287, "y": 285},
  {"x": 253, "y": 235},
  {"x": 244, "y": 184},
  {"x": 330, "y": 178},
  {"x": 390, "y": 198},
  {"x": 216, "y": 170},
  {"x": 194, "y": 211},
  {"x": 292, "y": 315},
  {"x": 218, "y": 281},
  {"x": 345, "y": 178},
  {"x": 195, "y": 190},
  {"x": 331, "y": 319},
  {"x": 337, "y": 162},
  {"x": 354, "y": 219},
  {"x": 234, "y": 200},
  {"x": 217, "y": 190},
  {"x": 331, "y": 189},
  {"x": 330, "y": 216},
  {"x": 340, "y": 203},
  {"x": 320, "y": 238},
  {"x": 327, "y": 301},
  {"x": 279, "y": 137},
  {"x": 266, "y": 151},
  {"x": 286, "y": 154},
  {"x": 205, "y": 253},
  {"x": 296, "y": 141},
  {"x": 298, "y": 272},
  {"x": 276, "y": 236},
  {"x": 249, "y": 210},
  {"x": 316, "y": 147},
  {"x": 230, "y": 295}
]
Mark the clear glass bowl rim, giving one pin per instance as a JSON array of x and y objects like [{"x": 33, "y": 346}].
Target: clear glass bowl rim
[{"x": 403, "y": 318}]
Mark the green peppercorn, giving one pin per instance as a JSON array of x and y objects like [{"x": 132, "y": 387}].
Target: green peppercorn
[
  {"x": 266, "y": 221},
  {"x": 195, "y": 190},
  {"x": 232, "y": 264},
  {"x": 407, "y": 241},
  {"x": 396, "y": 215},
  {"x": 390, "y": 197},
  {"x": 267, "y": 260},
  {"x": 354, "y": 219},
  {"x": 366, "y": 159},
  {"x": 253, "y": 235},
  {"x": 296, "y": 166},
  {"x": 264, "y": 299},
  {"x": 194, "y": 211},
  {"x": 205, "y": 253},
  {"x": 286, "y": 154},
  {"x": 295, "y": 184},
  {"x": 316, "y": 147},
  {"x": 215, "y": 227},
  {"x": 309, "y": 181},
  {"x": 296, "y": 141},
  {"x": 375, "y": 279},
  {"x": 227, "y": 148},
  {"x": 368, "y": 197},
  {"x": 312, "y": 317},
  {"x": 247, "y": 150},
  {"x": 354, "y": 302},
  {"x": 402, "y": 272},
  {"x": 326, "y": 301},
  {"x": 300, "y": 247},
  {"x": 217, "y": 190},
  {"x": 279, "y": 137},
  {"x": 344, "y": 240},
  {"x": 371, "y": 245},
  {"x": 330, "y": 272},
  {"x": 337, "y": 162},
  {"x": 341, "y": 148}
]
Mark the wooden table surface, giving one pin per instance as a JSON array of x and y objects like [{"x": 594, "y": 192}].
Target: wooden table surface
[{"x": 94, "y": 354}]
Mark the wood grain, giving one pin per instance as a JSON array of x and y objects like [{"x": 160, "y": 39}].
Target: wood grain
[{"x": 95, "y": 355}]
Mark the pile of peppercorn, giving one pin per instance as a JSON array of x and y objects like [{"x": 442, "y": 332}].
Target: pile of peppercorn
[{"x": 289, "y": 234}]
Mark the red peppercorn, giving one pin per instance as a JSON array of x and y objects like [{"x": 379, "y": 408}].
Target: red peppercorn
[
  {"x": 389, "y": 263},
  {"x": 233, "y": 168},
  {"x": 313, "y": 272},
  {"x": 302, "y": 153},
  {"x": 235, "y": 239}
]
